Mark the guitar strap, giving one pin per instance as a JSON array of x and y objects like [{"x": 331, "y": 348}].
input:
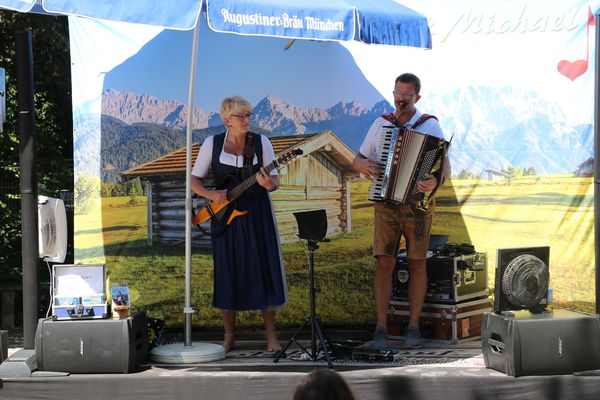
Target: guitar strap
[
  {"x": 248, "y": 155},
  {"x": 219, "y": 227}
]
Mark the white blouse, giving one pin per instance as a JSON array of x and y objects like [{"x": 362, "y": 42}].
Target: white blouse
[{"x": 204, "y": 159}]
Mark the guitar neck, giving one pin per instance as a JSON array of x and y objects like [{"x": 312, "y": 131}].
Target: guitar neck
[{"x": 242, "y": 187}]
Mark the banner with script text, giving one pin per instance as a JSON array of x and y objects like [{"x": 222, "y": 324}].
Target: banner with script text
[{"x": 511, "y": 82}]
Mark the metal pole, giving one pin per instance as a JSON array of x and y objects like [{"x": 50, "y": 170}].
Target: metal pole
[
  {"x": 597, "y": 166},
  {"x": 29, "y": 193},
  {"x": 188, "y": 311},
  {"x": 312, "y": 247}
]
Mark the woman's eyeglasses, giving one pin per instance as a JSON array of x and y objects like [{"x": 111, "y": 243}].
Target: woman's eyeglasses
[{"x": 242, "y": 117}]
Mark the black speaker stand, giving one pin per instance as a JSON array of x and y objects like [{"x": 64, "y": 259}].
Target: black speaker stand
[{"x": 316, "y": 330}]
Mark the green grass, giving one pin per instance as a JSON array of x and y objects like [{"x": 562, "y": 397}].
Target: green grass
[{"x": 554, "y": 210}]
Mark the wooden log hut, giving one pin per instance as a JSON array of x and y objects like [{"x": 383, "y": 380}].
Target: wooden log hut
[{"x": 319, "y": 179}]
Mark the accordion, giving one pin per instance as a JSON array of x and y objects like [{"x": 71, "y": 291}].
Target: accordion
[{"x": 406, "y": 156}]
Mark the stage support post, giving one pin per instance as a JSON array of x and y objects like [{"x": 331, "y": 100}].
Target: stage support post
[
  {"x": 29, "y": 193},
  {"x": 24, "y": 361},
  {"x": 597, "y": 165}
]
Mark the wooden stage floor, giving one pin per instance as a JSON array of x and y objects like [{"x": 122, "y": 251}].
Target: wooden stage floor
[{"x": 439, "y": 371}]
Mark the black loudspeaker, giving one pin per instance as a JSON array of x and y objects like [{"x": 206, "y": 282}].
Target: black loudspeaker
[
  {"x": 92, "y": 346},
  {"x": 3, "y": 345},
  {"x": 555, "y": 342}
]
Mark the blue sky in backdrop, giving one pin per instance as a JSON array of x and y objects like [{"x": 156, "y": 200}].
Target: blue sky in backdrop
[
  {"x": 489, "y": 45},
  {"x": 263, "y": 67}
]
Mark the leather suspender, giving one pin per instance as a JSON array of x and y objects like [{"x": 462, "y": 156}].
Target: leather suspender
[{"x": 424, "y": 117}]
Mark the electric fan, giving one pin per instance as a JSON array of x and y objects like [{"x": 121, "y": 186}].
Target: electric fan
[
  {"x": 522, "y": 279},
  {"x": 52, "y": 229}
]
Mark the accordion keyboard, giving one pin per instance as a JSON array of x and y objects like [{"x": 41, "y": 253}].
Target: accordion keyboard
[{"x": 385, "y": 146}]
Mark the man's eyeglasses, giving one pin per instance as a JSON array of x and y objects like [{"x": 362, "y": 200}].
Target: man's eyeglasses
[
  {"x": 403, "y": 95},
  {"x": 242, "y": 117}
]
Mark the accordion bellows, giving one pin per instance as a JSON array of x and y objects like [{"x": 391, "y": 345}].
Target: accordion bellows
[{"x": 406, "y": 156}]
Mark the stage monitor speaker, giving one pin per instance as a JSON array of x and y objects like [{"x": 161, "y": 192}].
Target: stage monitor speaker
[
  {"x": 3, "y": 345},
  {"x": 555, "y": 342},
  {"x": 92, "y": 346}
]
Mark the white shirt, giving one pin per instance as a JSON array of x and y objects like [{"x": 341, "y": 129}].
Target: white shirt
[
  {"x": 204, "y": 159},
  {"x": 371, "y": 143}
]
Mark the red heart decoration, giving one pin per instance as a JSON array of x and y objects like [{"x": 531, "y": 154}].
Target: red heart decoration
[{"x": 572, "y": 69}]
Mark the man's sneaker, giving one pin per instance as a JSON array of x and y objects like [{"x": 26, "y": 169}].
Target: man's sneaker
[
  {"x": 379, "y": 338},
  {"x": 412, "y": 338}
]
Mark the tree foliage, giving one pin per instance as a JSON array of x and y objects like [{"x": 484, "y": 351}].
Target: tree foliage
[
  {"x": 465, "y": 174},
  {"x": 132, "y": 187},
  {"x": 85, "y": 191},
  {"x": 53, "y": 122}
]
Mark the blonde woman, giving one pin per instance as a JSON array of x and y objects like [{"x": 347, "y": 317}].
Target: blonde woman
[{"x": 248, "y": 267}]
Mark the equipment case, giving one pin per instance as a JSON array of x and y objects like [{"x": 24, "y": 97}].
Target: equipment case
[
  {"x": 79, "y": 292},
  {"x": 449, "y": 279},
  {"x": 450, "y": 322}
]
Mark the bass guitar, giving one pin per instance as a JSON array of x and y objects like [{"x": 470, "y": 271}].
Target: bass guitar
[{"x": 216, "y": 209}]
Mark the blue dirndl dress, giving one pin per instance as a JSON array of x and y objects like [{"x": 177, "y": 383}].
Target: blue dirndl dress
[{"x": 248, "y": 269}]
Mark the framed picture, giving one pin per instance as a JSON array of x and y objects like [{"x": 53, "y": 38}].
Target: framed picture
[{"x": 120, "y": 297}]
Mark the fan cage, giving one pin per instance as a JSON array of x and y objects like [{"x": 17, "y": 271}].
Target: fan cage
[{"x": 525, "y": 281}]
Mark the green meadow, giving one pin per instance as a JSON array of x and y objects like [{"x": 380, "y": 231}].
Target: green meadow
[{"x": 555, "y": 211}]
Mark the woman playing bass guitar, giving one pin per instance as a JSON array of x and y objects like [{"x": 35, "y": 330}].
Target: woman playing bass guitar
[{"x": 248, "y": 267}]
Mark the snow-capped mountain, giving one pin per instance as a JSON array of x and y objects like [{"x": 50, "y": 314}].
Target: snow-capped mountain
[
  {"x": 491, "y": 128},
  {"x": 132, "y": 108},
  {"x": 494, "y": 128},
  {"x": 349, "y": 120}
]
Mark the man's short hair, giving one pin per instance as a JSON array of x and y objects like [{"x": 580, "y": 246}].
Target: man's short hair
[{"x": 410, "y": 78}]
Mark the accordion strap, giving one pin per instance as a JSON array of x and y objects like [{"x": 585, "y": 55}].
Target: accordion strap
[
  {"x": 391, "y": 118},
  {"x": 423, "y": 118}
]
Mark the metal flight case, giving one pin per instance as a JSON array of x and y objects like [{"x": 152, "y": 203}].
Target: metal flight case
[
  {"x": 448, "y": 322},
  {"x": 454, "y": 274}
]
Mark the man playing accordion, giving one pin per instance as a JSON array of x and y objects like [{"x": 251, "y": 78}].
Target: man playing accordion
[{"x": 392, "y": 221}]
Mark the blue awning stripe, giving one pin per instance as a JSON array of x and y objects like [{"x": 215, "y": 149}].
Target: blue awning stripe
[
  {"x": 179, "y": 14},
  {"x": 369, "y": 21},
  {"x": 280, "y": 19},
  {"x": 18, "y": 5}
]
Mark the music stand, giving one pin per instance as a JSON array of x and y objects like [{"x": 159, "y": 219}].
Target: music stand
[{"x": 312, "y": 227}]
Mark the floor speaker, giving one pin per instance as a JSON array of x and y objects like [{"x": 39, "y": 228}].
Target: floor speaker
[
  {"x": 3, "y": 345},
  {"x": 555, "y": 342},
  {"x": 92, "y": 346}
]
